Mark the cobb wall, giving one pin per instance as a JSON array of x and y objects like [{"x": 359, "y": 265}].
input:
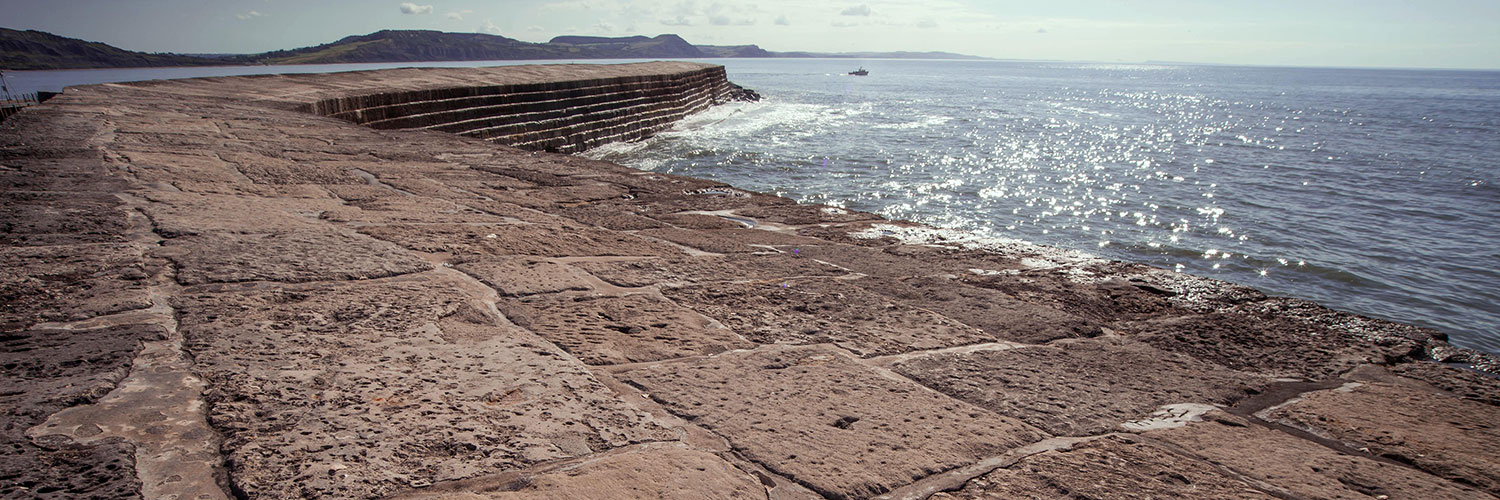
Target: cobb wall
[{"x": 563, "y": 116}]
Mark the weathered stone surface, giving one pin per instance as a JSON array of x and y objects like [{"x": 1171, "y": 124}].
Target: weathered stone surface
[
  {"x": 69, "y": 282},
  {"x": 1299, "y": 468},
  {"x": 1463, "y": 383},
  {"x": 610, "y": 330},
  {"x": 178, "y": 214},
  {"x": 1079, "y": 388},
  {"x": 268, "y": 169},
  {"x": 396, "y": 208},
  {"x": 996, "y": 313},
  {"x": 822, "y": 419},
  {"x": 183, "y": 166},
  {"x": 53, "y": 218},
  {"x": 292, "y": 257},
  {"x": 729, "y": 240},
  {"x": 646, "y": 472},
  {"x": 901, "y": 261},
  {"x": 521, "y": 276},
  {"x": 363, "y": 390},
  {"x": 471, "y": 241},
  {"x": 1113, "y": 467},
  {"x": 690, "y": 269},
  {"x": 1096, "y": 291},
  {"x": 1446, "y": 436},
  {"x": 45, "y": 371},
  {"x": 1273, "y": 345},
  {"x": 811, "y": 311}
]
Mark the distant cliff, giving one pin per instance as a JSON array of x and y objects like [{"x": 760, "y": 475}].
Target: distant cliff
[
  {"x": 39, "y": 50},
  {"x": 42, "y": 50}
]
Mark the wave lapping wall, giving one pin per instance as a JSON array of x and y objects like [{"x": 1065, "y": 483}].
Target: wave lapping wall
[{"x": 564, "y": 116}]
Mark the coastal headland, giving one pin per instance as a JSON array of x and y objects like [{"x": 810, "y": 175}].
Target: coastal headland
[{"x": 349, "y": 286}]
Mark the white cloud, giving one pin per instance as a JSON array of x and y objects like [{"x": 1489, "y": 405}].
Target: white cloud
[
  {"x": 842, "y": 24},
  {"x": 857, "y": 10},
  {"x": 489, "y": 27},
  {"x": 604, "y": 27},
  {"x": 718, "y": 20},
  {"x": 927, "y": 23},
  {"x": 411, "y": 8},
  {"x": 248, "y": 15},
  {"x": 781, "y": 21},
  {"x": 678, "y": 21},
  {"x": 1041, "y": 30},
  {"x": 535, "y": 29},
  {"x": 455, "y": 16}
]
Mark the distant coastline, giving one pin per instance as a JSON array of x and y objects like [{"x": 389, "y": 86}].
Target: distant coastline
[{"x": 38, "y": 50}]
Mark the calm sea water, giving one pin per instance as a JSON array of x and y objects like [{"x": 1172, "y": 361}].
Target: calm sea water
[{"x": 1372, "y": 191}]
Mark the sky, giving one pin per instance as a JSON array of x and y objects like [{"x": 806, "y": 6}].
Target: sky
[{"x": 1339, "y": 33}]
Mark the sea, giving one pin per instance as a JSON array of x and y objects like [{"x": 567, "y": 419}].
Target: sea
[{"x": 1372, "y": 191}]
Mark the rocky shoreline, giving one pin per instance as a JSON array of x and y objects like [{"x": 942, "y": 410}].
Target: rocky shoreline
[{"x": 212, "y": 294}]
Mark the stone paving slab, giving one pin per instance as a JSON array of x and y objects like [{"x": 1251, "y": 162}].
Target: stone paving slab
[
  {"x": 1092, "y": 291},
  {"x": 814, "y": 311},
  {"x": 819, "y": 417},
  {"x": 902, "y": 261},
  {"x": 200, "y": 167},
  {"x": 178, "y": 214},
  {"x": 702, "y": 269},
  {"x": 655, "y": 471},
  {"x": 1113, "y": 467},
  {"x": 33, "y": 218},
  {"x": 1443, "y": 435},
  {"x": 994, "y": 312},
  {"x": 69, "y": 282},
  {"x": 521, "y": 276},
  {"x": 729, "y": 240},
  {"x": 1271, "y": 344},
  {"x": 1079, "y": 388},
  {"x": 1298, "y": 468},
  {"x": 602, "y": 330},
  {"x": 406, "y": 209},
  {"x": 365, "y": 389},
  {"x": 1467, "y": 384},
  {"x": 46, "y": 371},
  {"x": 473, "y": 241},
  {"x": 292, "y": 257},
  {"x": 267, "y": 169}
]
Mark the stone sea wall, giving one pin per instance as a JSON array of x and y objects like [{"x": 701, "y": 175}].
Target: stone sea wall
[
  {"x": 209, "y": 292},
  {"x": 565, "y": 116}
]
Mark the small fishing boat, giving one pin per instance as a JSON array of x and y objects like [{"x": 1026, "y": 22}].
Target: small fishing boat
[{"x": 859, "y": 72}]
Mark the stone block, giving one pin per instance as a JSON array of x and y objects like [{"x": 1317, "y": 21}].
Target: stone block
[
  {"x": 363, "y": 390},
  {"x": 824, "y": 420},
  {"x": 610, "y": 330},
  {"x": 292, "y": 257},
  {"x": 811, "y": 311},
  {"x": 1446, "y": 436},
  {"x": 1298, "y": 468},
  {"x": 996, "y": 313},
  {"x": 1079, "y": 388},
  {"x": 469, "y": 241},
  {"x": 1113, "y": 467}
]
